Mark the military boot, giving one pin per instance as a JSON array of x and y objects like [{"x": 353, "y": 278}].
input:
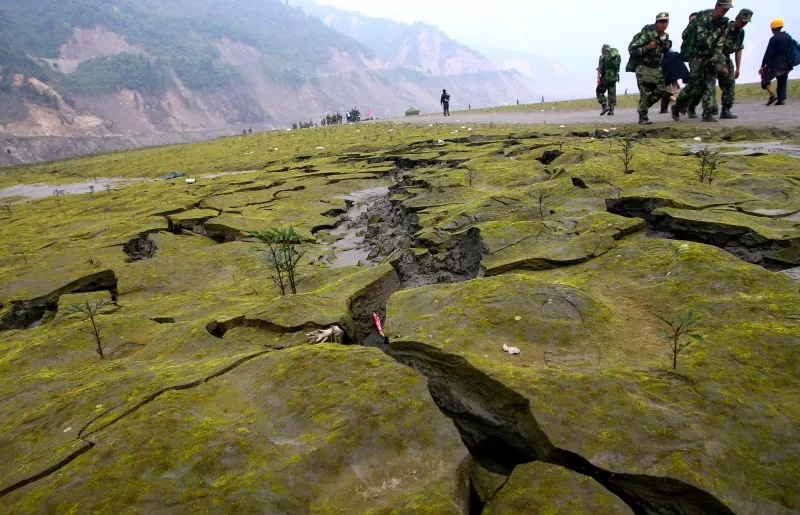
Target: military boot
[
  {"x": 709, "y": 118},
  {"x": 605, "y": 110},
  {"x": 692, "y": 113},
  {"x": 715, "y": 110},
  {"x": 644, "y": 120},
  {"x": 727, "y": 114},
  {"x": 611, "y": 111},
  {"x": 676, "y": 114}
]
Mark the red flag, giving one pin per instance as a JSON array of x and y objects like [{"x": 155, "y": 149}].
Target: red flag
[{"x": 369, "y": 113}]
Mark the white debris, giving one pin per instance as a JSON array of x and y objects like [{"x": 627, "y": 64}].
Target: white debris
[
  {"x": 430, "y": 125},
  {"x": 332, "y": 334},
  {"x": 517, "y": 318},
  {"x": 358, "y": 130},
  {"x": 685, "y": 246},
  {"x": 510, "y": 350},
  {"x": 440, "y": 141},
  {"x": 470, "y": 129},
  {"x": 561, "y": 126},
  {"x": 320, "y": 148},
  {"x": 191, "y": 181},
  {"x": 248, "y": 153},
  {"x": 67, "y": 430},
  {"x": 698, "y": 138},
  {"x": 463, "y": 127}
]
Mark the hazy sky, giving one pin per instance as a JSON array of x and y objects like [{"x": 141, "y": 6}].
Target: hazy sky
[{"x": 572, "y": 31}]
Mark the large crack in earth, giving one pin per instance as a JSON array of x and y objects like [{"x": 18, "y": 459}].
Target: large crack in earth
[{"x": 498, "y": 428}]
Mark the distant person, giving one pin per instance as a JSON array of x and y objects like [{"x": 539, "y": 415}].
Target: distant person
[
  {"x": 775, "y": 64},
  {"x": 445, "y": 101},
  {"x": 646, "y": 49},
  {"x": 517, "y": 101},
  {"x": 607, "y": 78},
  {"x": 674, "y": 70}
]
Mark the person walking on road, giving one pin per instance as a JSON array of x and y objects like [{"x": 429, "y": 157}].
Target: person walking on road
[
  {"x": 607, "y": 78},
  {"x": 775, "y": 64},
  {"x": 674, "y": 70},
  {"x": 646, "y": 49},
  {"x": 732, "y": 45},
  {"x": 445, "y": 101}
]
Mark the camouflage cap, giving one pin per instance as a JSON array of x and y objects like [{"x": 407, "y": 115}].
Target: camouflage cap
[
  {"x": 746, "y": 15},
  {"x": 723, "y": 3},
  {"x": 606, "y": 47},
  {"x": 662, "y": 17}
]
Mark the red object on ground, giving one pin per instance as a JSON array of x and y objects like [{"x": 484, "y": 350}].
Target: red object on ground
[{"x": 376, "y": 320}]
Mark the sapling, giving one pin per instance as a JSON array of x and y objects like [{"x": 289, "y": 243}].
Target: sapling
[
  {"x": 541, "y": 197},
  {"x": 626, "y": 145},
  {"x": 709, "y": 164},
  {"x": 282, "y": 254},
  {"x": 90, "y": 310},
  {"x": 679, "y": 327},
  {"x": 7, "y": 207}
]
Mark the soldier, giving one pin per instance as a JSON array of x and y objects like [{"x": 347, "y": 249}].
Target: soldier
[
  {"x": 607, "y": 78},
  {"x": 445, "y": 101},
  {"x": 706, "y": 59},
  {"x": 734, "y": 44},
  {"x": 646, "y": 49}
]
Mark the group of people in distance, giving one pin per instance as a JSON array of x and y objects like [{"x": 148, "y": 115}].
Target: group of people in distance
[{"x": 712, "y": 46}]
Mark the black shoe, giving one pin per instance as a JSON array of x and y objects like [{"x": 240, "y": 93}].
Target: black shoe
[
  {"x": 663, "y": 111},
  {"x": 780, "y": 103},
  {"x": 772, "y": 99},
  {"x": 727, "y": 115},
  {"x": 604, "y": 111},
  {"x": 709, "y": 118},
  {"x": 692, "y": 113},
  {"x": 676, "y": 115},
  {"x": 611, "y": 112},
  {"x": 715, "y": 111},
  {"x": 644, "y": 120}
]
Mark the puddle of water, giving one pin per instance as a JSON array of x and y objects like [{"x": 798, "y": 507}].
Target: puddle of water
[
  {"x": 41, "y": 190},
  {"x": 347, "y": 247},
  {"x": 749, "y": 149}
]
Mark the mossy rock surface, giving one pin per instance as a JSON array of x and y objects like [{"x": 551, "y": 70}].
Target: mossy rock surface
[
  {"x": 310, "y": 430},
  {"x": 597, "y": 375},
  {"x": 262, "y": 418},
  {"x": 548, "y": 489}
]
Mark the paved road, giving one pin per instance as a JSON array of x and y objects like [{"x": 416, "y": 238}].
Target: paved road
[{"x": 752, "y": 114}]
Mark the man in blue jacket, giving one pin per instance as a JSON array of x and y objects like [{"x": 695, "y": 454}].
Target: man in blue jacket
[
  {"x": 674, "y": 70},
  {"x": 775, "y": 64}
]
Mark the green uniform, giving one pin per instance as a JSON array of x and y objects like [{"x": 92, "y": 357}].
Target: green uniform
[
  {"x": 734, "y": 41},
  {"x": 608, "y": 67},
  {"x": 646, "y": 62},
  {"x": 705, "y": 64}
]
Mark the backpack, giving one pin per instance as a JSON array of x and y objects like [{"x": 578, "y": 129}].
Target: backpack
[
  {"x": 615, "y": 61},
  {"x": 633, "y": 62},
  {"x": 689, "y": 36},
  {"x": 794, "y": 54}
]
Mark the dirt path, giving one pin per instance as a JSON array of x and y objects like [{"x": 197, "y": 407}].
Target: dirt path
[{"x": 787, "y": 116}]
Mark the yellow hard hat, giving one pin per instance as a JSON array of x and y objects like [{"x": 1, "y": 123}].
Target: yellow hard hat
[{"x": 777, "y": 23}]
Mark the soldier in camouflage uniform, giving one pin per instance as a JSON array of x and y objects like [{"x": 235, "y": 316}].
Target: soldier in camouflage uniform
[
  {"x": 646, "y": 49},
  {"x": 706, "y": 62},
  {"x": 733, "y": 44},
  {"x": 607, "y": 78}
]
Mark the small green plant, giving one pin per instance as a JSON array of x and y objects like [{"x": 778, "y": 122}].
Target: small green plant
[
  {"x": 7, "y": 207},
  {"x": 282, "y": 254},
  {"x": 626, "y": 146},
  {"x": 709, "y": 164},
  {"x": 541, "y": 197},
  {"x": 90, "y": 310},
  {"x": 59, "y": 195},
  {"x": 91, "y": 190},
  {"x": 470, "y": 172},
  {"x": 679, "y": 327}
]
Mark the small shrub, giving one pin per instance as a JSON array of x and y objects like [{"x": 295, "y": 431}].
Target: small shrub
[
  {"x": 678, "y": 328},
  {"x": 89, "y": 310},
  {"x": 541, "y": 197},
  {"x": 709, "y": 164},
  {"x": 282, "y": 254},
  {"x": 626, "y": 146}
]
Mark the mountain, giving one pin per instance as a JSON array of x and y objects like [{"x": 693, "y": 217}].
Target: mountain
[
  {"x": 400, "y": 45},
  {"x": 131, "y": 72}
]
